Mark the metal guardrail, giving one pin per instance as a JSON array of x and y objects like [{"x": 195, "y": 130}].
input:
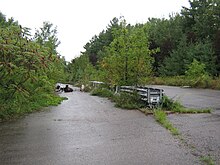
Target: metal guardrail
[
  {"x": 96, "y": 83},
  {"x": 152, "y": 96}
]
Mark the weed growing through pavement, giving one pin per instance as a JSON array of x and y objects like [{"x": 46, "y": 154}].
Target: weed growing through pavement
[
  {"x": 175, "y": 106},
  {"x": 207, "y": 160},
  {"x": 161, "y": 118},
  {"x": 122, "y": 100}
]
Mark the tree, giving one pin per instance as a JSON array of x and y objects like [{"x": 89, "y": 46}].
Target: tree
[
  {"x": 164, "y": 34},
  {"x": 128, "y": 58},
  {"x": 180, "y": 58},
  {"x": 196, "y": 74},
  {"x": 6, "y": 23},
  {"x": 202, "y": 18},
  {"x": 195, "y": 70},
  {"x": 94, "y": 48},
  {"x": 81, "y": 70},
  {"x": 2, "y": 19},
  {"x": 28, "y": 71},
  {"x": 47, "y": 36}
]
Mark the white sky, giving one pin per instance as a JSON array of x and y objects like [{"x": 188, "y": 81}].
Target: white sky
[{"x": 78, "y": 21}]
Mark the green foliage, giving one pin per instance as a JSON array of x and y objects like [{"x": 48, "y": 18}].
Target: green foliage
[
  {"x": 196, "y": 74},
  {"x": 128, "y": 58},
  {"x": 215, "y": 83},
  {"x": 95, "y": 47},
  {"x": 20, "y": 106},
  {"x": 164, "y": 34},
  {"x": 47, "y": 36},
  {"x": 28, "y": 72},
  {"x": 175, "y": 106},
  {"x": 81, "y": 70},
  {"x": 207, "y": 160},
  {"x": 184, "y": 82},
  {"x": 172, "y": 81},
  {"x": 202, "y": 17},
  {"x": 125, "y": 54},
  {"x": 128, "y": 101},
  {"x": 179, "y": 59},
  {"x": 201, "y": 22},
  {"x": 161, "y": 118},
  {"x": 6, "y": 23},
  {"x": 103, "y": 92}
]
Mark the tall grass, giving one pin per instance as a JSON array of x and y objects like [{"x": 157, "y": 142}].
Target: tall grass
[
  {"x": 183, "y": 81},
  {"x": 128, "y": 101},
  {"x": 102, "y": 92},
  {"x": 14, "y": 109},
  {"x": 122, "y": 100}
]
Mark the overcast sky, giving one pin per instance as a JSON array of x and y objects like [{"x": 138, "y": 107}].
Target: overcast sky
[{"x": 78, "y": 21}]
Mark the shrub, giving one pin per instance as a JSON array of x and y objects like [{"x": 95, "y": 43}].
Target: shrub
[
  {"x": 22, "y": 106},
  {"x": 128, "y": 101},
  {"x": 102, "y": 92},
  {"x": 197, "y": 75},
  {"x": 204, "y": 81}
]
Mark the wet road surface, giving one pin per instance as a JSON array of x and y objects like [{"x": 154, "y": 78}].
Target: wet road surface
[
  {"x": 193, "y": 98},
  {"x": 200, "y": 131},
  {"x": 89, "y": 130}
]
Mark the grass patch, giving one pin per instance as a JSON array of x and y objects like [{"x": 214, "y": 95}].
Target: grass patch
[
  {"x": 128, "y": 101},
  {"x": 207, "y": 160},
  {"x": 147, "y": 111},
  {"x": 122, "y": 100},
  {"x": 175, "y": 106},
  {"x": 44, "y": 100},
  {"x": 161, "y": 118},
  {"x": 17, "y": 108},
  {"x": 183, "y": 81},
  {"x": 102, "y": 92}
]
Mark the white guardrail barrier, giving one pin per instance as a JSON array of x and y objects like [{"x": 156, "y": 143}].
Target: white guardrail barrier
[{"x": 152, "y": 96}]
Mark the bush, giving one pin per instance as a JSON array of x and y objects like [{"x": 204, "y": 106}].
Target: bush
[
  {"x": 29, "y": 71},
  {"x": 215, "y": 83},
  {"x": 102, "y": 92},
  {"x": 173, "y": 81},
  {"x": 204, "y": 81},
  {"x": 122, "y": 100},
  {"x": 128, "y": 101},
  {"x": 197, "y": 75},
  {"x": 16, "y": 108}
]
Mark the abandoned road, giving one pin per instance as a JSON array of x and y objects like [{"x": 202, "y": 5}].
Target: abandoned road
[
  {"x": 200, "y": 131},
  {"x": 193, "y": 98},
  {"x": 88, "y": 130}
]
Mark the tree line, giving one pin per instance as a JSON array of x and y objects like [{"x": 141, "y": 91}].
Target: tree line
[
  {"x": 185, "y": 44},
  {"x": 29, "y": 67}
]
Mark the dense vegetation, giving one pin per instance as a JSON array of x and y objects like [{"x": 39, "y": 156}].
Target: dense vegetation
[
  {"x": 29, "y": 68},
  {"x": 185, "y": 48}
]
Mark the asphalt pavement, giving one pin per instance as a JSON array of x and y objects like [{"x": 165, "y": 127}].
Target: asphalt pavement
[
  {"x": 201, "y": 132},
  {"x": 193, "y": 98},
  {"x": 88, "y": 130}
]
